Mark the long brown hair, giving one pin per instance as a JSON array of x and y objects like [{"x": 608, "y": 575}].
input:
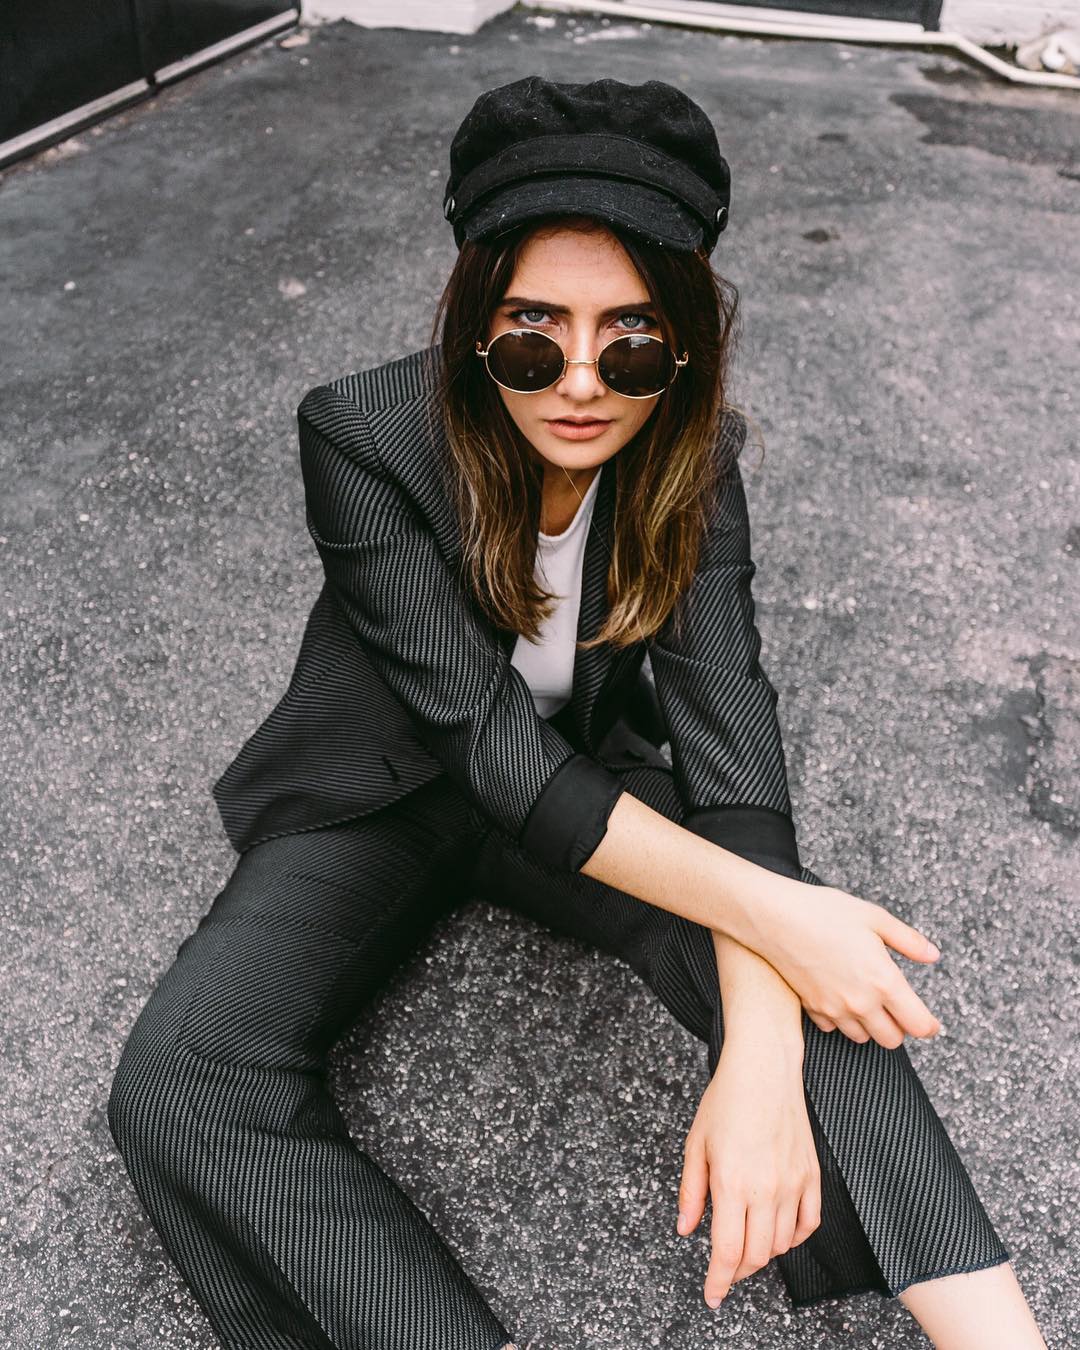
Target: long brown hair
[{"x": 665, "y": 475}]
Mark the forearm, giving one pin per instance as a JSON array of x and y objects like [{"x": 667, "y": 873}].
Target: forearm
[
  {"x": 658, "y": 861},
  {"x": 760, "y": 1008}
]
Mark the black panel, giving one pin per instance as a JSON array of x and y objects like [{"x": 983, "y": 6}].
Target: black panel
[
  {"x": 175, "y": 29},
  {"x": 56, "y": 55}
]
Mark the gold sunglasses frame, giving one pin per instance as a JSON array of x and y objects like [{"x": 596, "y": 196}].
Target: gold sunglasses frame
[{"x": 483, "y": 351}]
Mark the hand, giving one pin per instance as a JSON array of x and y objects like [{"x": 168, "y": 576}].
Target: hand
[
  {"x": 832, "y": 949},
  {"x": 751, "y": 1149}
]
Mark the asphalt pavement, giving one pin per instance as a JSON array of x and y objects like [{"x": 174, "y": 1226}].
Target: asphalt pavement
[{"x": 904, "y": 238}]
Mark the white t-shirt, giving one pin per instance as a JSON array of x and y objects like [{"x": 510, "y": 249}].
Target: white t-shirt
[{"x": 548, "y": 665}]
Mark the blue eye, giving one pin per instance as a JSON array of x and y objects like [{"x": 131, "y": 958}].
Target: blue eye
[{"x": 646, "y": 320}]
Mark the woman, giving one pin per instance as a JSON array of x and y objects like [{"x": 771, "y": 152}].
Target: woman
[{"x": 467, "y": 717}]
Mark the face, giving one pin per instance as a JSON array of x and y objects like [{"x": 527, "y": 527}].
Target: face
[{"x": 582, "y": 290}]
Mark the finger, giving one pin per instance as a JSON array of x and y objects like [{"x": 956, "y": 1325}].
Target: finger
[
  {"x": 909, "y": 1011},
  {"x": 884, "y": 1029},
  {"x": 853, "y": 1028},
  {"x": 809, "y": 1212},
  {"x": 787, "y": 1214},
  {"x": 694, "y": 1186},
  {"x": 757, "y": 1242},
  {"x": 903, "y": 938},
  {"x": 728, "y": 1231}
]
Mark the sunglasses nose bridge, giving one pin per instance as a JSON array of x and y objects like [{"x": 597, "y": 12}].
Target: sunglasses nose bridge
[{"x": 583, "y": 383}]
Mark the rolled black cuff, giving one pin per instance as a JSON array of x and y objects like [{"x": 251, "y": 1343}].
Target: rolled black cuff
[
  {"x": 757, "y": 833},
  {"x": 569, "y": 818}
]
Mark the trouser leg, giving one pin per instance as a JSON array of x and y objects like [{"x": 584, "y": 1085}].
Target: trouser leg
[
  {"x": 897, "y": 1203},
  {"x": 289, "y": 1234}
]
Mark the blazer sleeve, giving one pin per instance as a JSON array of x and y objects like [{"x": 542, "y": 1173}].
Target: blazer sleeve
[
  {"x": 720, "y": 708},
  {"x": 473, "y": 710}
]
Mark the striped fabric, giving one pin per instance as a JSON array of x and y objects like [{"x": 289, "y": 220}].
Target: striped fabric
[
  {"x": 717, "y": 702},
  {"x": 291, "y": 1235},
  {"x": 405, "y": 769},
  {"x": 401, "y": 677}
]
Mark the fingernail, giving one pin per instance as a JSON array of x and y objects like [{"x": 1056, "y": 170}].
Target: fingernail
[
  {"x": 713, "y": 1302},
  {"x": 682, "y": 1222},
  {"x": 935, "y": 950}
]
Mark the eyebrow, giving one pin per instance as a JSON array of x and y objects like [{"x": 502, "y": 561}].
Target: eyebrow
[{"x": 522, "y": 302}]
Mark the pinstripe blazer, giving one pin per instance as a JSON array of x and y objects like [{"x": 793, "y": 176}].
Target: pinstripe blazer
[{"x": 400, "y": 676}]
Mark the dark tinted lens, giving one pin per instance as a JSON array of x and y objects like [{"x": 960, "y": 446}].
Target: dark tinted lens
[
  {"x": 637, "y": 365},
  {"x": 526, "y": 362}
]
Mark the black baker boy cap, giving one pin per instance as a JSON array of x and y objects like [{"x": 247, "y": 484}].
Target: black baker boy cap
[{"x": 643, "y": 156}]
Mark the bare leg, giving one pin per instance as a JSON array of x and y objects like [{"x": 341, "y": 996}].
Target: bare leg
[{"x": 977, "y": 1310}]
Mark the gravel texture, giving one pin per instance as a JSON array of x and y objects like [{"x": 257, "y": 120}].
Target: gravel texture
[{"x": 903, "y": 234}]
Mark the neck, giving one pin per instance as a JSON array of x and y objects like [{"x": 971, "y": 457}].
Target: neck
[
  {"x": 560, "y": 482},
  {"x": 562, "y": 496}
]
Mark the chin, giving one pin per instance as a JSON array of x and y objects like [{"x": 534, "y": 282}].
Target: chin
[{"x": 576, "y": 454}]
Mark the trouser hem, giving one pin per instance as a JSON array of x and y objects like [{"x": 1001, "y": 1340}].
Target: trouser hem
[
  {"x": 886, "y": 1293},
  {"x": 955, "y": 1270}
]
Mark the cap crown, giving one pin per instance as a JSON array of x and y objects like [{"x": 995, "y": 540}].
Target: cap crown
[{"x": 650, "y": 133}]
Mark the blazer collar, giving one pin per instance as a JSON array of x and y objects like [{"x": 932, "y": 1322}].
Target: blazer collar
[{"x": 592, "y": 666}]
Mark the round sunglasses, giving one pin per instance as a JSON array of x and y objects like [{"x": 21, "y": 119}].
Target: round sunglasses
[{"x": 526, "y": 361}]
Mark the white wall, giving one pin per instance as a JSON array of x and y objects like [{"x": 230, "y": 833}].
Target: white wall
[
  {"x": 993, "y": 22},
  {"x": 988, "y": 21},
  {"x": 442, "y": 16}
]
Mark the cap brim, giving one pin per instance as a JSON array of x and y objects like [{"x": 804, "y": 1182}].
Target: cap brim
[{"x": 644, "y": 211}]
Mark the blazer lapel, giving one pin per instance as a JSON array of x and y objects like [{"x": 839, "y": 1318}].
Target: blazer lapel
[
  {"x": 592, "y": 664},
  {"x": 391, "y": 428}
]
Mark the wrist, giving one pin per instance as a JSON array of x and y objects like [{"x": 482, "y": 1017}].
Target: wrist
[
  {"x": 761, "y": 1012},
  {"x": 767, "y": 1049},
  {"x": 768, "y": 1025},
  {"x": 756, "y": 899}
]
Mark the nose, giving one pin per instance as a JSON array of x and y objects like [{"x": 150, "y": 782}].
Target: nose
[{"x": 581, "y": 381}]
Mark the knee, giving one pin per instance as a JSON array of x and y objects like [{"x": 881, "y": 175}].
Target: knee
[
  {"x": 146, "y": 1093},
  {"x": 131, "y": 1102}
]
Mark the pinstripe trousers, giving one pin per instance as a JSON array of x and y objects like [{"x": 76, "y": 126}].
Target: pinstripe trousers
[{"x": 292, "y": 1237}]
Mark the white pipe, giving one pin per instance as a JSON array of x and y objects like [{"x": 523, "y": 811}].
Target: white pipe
[{"x": 778, "y": 22}]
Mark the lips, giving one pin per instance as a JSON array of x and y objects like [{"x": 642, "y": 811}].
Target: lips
[{"x": 568, "y": 430}]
